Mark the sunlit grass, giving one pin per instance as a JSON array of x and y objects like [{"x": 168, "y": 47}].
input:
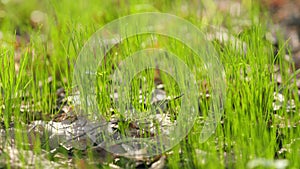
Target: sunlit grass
[{"x": 50, "y": 48}]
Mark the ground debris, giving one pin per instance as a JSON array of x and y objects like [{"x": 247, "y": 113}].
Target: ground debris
[
  {"x": 280, "y": 102},
  {"x": 266, "y": 163}
]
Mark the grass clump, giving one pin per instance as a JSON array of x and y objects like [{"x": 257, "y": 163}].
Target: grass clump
[{"x": 38, "y": 55}]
